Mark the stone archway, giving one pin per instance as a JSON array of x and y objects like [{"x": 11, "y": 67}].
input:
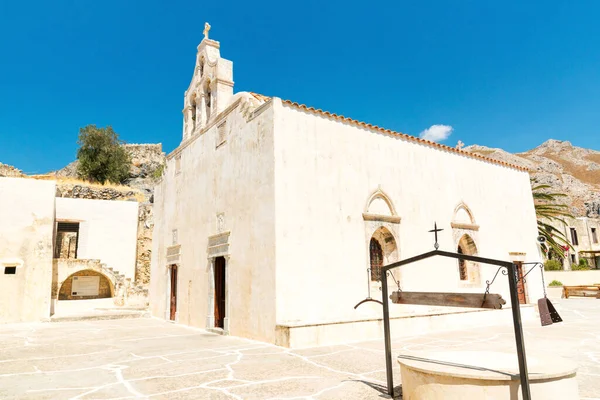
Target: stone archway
[
  {"x": 65, "y": 269},
  {"x": 105, "y": 288}
]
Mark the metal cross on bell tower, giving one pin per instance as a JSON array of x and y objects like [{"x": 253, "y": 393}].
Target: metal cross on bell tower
[{"x": 435, "y": 231}]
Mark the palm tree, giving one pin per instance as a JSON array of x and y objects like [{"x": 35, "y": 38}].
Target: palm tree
[{"x": 549, "y": 211}]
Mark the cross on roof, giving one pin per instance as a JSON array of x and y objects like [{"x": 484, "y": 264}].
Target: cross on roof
[
  {"x": 460, "y": 145},
  {"x": 435, "y": 231}
]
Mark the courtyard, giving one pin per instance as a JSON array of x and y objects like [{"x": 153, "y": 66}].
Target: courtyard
[{"x": 151, "y": 358}]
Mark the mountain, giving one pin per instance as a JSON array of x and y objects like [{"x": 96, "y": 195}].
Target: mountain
[{"x": 568, "y": 169}]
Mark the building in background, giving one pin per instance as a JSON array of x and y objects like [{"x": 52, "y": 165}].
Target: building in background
[
  {"x": 583, "y": 234},
  {"x": 55, "y": 249}
]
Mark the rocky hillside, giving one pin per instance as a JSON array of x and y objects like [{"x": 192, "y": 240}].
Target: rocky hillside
[
  {"x": 10, "y": 171},
  {"x": 568, "y": 169},
  {"x": 147, "y": 163}
]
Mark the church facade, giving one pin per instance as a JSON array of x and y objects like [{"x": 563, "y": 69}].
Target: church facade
[{"x": 273, "y": 219}]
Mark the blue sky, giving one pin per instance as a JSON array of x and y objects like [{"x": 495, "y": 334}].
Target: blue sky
[{"x": 502, "y": 74}]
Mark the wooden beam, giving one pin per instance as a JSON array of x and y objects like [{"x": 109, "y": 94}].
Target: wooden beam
[{"x": 470, "y": 300}]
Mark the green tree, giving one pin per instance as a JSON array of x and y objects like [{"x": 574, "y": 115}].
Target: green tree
[
  {"x": 102, "y": 158},
  {"x": 549, "y": 211}
]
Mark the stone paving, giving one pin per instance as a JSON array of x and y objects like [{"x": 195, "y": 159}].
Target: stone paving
[{"x": 149, "y": 358}]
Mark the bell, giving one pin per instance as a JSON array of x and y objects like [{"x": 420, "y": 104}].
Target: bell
[{"x": 548, "y": 314}]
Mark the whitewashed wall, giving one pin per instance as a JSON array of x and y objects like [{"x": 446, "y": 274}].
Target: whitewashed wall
[
  {"x": 573, "y": 278},
  {"x": 234, "y": 179},
  {"x": 326, "y": 170},
  {"x": 26, "y": 229},
  {"x": 107, "y": 230}
]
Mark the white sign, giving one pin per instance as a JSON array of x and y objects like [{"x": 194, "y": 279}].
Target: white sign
[{"x": 85, "y": 286}]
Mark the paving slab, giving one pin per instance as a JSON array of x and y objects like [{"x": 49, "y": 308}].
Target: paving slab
[{"x": 148, "y": 358}]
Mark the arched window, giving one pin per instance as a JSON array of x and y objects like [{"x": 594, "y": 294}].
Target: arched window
[
  {"x": 467, "y": 270},
  {"x": 376, "y": 255},
  {"x": 462, "y": 266},
  {"x": 208, "y": 100},
  {"x": 194, "y": 116}
]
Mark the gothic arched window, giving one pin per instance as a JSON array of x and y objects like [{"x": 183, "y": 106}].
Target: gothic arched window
[
  {"x": 462, "y": 266},
  {"x": 376, "y": 255}
]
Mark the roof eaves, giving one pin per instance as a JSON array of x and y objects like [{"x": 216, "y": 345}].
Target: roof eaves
[{"x": 403, "y": 135}]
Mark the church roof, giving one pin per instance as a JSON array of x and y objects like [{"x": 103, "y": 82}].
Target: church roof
[{"x": 390, "y": 132}]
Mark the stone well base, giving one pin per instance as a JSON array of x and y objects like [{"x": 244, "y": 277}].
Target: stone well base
[{"x": 458, "y": 375}]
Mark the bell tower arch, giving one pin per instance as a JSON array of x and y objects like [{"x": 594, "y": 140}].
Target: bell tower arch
[{"x": 211, "y": 88}]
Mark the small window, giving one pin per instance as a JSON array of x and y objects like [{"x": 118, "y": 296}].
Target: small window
[
  {"x": 221, "y": 134},
  {"x": 175, "y": 237},
  {"x": 594, "y": 236},
  {"x": 67, "y": 240},
  {"x": 574, "y": 239},
  {"x": 573, "y": 258},
  {"x": 10, "y": 270}
]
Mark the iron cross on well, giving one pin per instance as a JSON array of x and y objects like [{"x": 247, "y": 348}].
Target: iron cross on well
[{"x": 435, "y": 231}]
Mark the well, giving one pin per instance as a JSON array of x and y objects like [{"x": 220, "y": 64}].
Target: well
[{"x": 454, "y": 375}]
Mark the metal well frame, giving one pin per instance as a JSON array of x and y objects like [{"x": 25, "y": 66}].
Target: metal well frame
[{"x": 510, "y": 271}]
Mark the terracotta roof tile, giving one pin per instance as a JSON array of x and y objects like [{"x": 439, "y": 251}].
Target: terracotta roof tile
[{"x": 393, "y": 133}]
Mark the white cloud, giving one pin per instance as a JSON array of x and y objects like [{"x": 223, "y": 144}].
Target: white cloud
[{"x": 435, "y": 133}]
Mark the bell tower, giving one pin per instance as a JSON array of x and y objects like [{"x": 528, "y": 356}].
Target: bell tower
[{"x": 211, "y": 88}]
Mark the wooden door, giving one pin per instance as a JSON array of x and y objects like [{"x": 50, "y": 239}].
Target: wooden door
[
  {"x": 219, "y": 292},
  {"x": 173, "y": 292},
  {"x": 520, "y": 284}
]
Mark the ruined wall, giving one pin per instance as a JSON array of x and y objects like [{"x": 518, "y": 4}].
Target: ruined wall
[{"x": 26, "y": 229}]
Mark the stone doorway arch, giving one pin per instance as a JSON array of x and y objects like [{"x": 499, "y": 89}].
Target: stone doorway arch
[{"x": 106, "y": 288}]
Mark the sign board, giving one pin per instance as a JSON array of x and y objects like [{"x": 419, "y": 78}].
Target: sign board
[
  {"x": 473, "y": 300},
  {"x": 85, "y": 286}
]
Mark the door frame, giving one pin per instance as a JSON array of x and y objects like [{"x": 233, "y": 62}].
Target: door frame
[
  {"x": 218, "y": 309},
  {"x": 169, "y": 288},
  {"x": 210, "y": 315}
]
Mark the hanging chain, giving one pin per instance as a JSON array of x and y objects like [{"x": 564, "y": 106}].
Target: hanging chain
[
  {"x": 369, "y": 282},
  {"x": 543, "y": 281}
]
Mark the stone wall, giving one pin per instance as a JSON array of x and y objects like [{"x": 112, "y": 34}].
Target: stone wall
[
  {"x": 144, "y": 244},
  {"x": 105, "y": 290},
  {"x": 85, "y": 190}
]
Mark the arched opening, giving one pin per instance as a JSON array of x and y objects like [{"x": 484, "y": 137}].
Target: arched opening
[
  {"x": 193, "y": 117},
  {"x": 201, "y": 66},
  {"x": 467, "y": 271},
  {"x": 208, "y": 99},
  {"x": 382, "y": 251},
  {"x": 86, "y": 284}
]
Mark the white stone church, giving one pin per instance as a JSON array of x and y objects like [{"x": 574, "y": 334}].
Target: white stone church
[{"x": 273, "y": 218}]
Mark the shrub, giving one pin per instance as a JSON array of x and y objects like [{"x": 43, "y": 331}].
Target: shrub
[
  {"x": 582, "y": 266},
  {"x": 158, "y": 172},
  {"x": 555, "y": 283},
  {"x": 552, "y": 265},
  {"x": 102, "y": 158}
]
